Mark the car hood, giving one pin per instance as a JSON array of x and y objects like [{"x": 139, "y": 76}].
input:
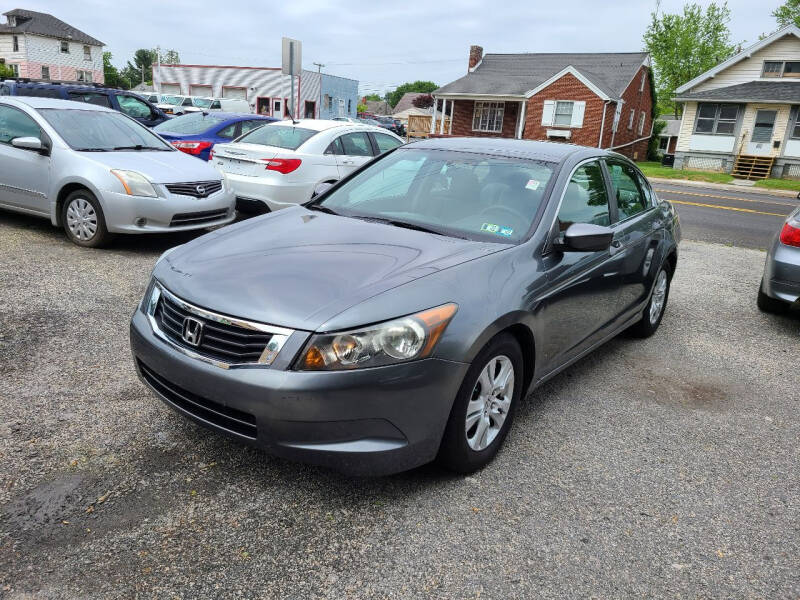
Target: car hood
[
  {"x": 298, "y": 268},
  {"x": 158, "y": 167}
]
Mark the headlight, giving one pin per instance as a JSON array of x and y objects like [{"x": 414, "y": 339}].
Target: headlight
[
  {"x": 395, "y": 341},
  {"x": 135, "y": 184}
]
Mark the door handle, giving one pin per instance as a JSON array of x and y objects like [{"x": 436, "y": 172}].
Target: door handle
[{"x": 347, "y": 162}]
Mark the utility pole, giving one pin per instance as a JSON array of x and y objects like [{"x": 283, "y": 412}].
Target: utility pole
[
  {"x": 319, "y": 72},
  {"x": 319, "y": 66},
  {"x": 158, "y": 68}
]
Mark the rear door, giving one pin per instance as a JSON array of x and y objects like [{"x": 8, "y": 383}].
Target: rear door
[
  {"x": 356, "y": 151},
  {"x": 637, "y": 226}
]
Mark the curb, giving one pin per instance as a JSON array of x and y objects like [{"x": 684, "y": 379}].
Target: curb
[{"x": 725, "y": 186}]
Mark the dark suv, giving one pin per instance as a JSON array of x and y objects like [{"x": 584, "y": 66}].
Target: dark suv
[{"x": 128, "y": 103}]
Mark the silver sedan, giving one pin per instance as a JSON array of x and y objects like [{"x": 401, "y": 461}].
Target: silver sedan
[
  {"x": 780, "y": 287},
  {"x": 97, "y": 172}
]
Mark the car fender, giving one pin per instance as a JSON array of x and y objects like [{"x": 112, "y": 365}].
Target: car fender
[{"x": 76, "y": 180}]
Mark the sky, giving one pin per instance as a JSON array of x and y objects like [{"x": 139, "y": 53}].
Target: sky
[{"x": 381, "y": 43}]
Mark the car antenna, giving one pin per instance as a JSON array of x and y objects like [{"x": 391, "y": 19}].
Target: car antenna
[{"x": 291, "y": 116}]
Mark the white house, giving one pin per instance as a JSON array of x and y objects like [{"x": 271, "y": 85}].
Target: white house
[
  {"x": 742, "y": 116},
  {"x": 39, "y": 46}
]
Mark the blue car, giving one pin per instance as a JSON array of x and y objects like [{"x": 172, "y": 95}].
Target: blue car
[{"x": 197, "y": 132}]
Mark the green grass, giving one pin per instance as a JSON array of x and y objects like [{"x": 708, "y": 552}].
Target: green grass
[{"x": 654, "y": 169}]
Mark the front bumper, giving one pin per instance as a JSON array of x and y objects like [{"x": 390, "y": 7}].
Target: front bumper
[
  {"x": 275, "y": 196},
  {"x": 121, "y": 211},
  {"x": 782, "y": 273},
  {"x": 373, "y": 421}
]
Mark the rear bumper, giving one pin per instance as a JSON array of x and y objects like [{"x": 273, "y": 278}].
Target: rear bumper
[
  {"x": 782, "y": 273},
  {"x": 273, "y": 195},
  {"x": 363, "y": 422}
]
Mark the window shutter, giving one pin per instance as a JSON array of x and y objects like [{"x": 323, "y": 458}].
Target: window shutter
[
  {"x": 578, "y": 108},
  {"x": 548, "y": 112}
]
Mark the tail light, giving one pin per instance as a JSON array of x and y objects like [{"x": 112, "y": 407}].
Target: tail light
[
  {"x": 790, "y": 235},
  {"x": 282, "y": 165},
  {"x": 211, "y": 154},
  {"x": 193, "y": 148}
]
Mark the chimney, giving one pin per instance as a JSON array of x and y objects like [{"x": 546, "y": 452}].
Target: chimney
[{"x": 475, "y": 56}]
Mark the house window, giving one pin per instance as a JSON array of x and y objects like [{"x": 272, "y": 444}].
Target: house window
[
  {"x": 45, "y": 72},
  {"x": 310, "y": 109},
  {"x": 349, "y": 105},
  {"x": 15, "y": 44},
  {"x": 663, "y": 142},
  {"x": 488, "y": 116},
  {"x": 65, "y": 47},
  {"x": 563, "y": 114},
  {"x": 87, "y": 53},
  {"x": 14, "y": 69},
  {"x": 791, "y": 69},
  {"x": 630, "y": 118},
  {"x": 779, "y": 68},
  {"x": 85, "y": 76},
  {"x": 641, "y": 83},
  {"x": 641, "y": 122},
  {"x": 716, "y": 118},
  {"x": 796, "y": 127}
]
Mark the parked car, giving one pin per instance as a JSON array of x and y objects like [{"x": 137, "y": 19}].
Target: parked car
[
  {"x": 393, "y": 125},
  {"x": 128, "y": 103},
  {"x": 402, "y": 315},
  {"x": 96, "y": 172},
  {"x": 196, "y": 133},
  {"x": 231, "y": 105},
  {"x": 281, "y": 164},
  {"x": 780, "y": 285},
  {"x": 174, "y": 105}
]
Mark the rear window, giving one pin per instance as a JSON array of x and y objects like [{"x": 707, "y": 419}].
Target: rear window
[
  {"x": 191, "y": 123},
  {"x": 279, "y": 136},
  {"x": 38, "y": 92}
]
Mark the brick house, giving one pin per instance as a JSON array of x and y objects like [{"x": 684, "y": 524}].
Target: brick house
[
  {"x": 602, "y": 100},
  {"x": 39, "y": 46}
]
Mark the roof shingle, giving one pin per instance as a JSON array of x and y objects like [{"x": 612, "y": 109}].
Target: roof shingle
[
  {"x": 39, "y": 23},
  {"x": 787, "y": 92}
]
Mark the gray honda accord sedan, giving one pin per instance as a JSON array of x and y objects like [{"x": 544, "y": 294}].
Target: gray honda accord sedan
[{"x": 401, "y": 315}]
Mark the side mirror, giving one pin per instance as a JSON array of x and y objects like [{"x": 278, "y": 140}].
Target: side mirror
[
  {"x": 321, "y": 188},
  {"x": 586, "y": 237},
  {"x": 28, "y": 143}
]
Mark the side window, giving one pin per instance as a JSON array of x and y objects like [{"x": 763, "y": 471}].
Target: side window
[
  {"x": 133, "y": 107},
  {"x": 250, "y": 125},
  {"x": 649, "y": 196},
  {"x": 356, "y": 144},
  {"x": 38, "y": 92},
  {"x": 585, "y": 199},
  {"x": 630, "y": 200},
  {"x": 215, "y": 104},
  {"x": 4, "y": 91},
  {"x": 386, "y": 142},
  {"x": 90, "y": 98},
  {"x": 335, "y": 147},
  {"x": 187, "y": 102},
  {"x": 15, "y": 124},
  {"x": 227, "y": 132}
]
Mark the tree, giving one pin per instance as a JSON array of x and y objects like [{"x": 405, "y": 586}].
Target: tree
[
  {"x": 373, "y": 97},
  {"x": 683, "y": 46},
  {"x": 6, "y": 71},
  {"x": 361, "y": 108},
  {"x": 141, "y": 69},
  {"x": 425, "y": 101},
  {"x": 426, "y": 87},
  {"x": 170, "y": 57},
  {"x": 788, "y": 13},
  {"x": 111, "y": 73}
]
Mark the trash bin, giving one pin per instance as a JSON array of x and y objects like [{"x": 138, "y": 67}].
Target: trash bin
[{"x": 668, "y": 160}]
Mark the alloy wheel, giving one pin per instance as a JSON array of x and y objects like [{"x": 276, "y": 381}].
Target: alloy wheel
[
  {"x": 659, "y": 297},
  {"x": 82, "y": 219},
  {"x": 489, "y": 403}
]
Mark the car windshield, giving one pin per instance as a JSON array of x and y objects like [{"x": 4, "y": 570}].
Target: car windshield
[
  {"x": 101, "y": 131},
  {"x": 453, "y": 193},
  {"x": 196, "y": 122},
  {"x": 172, "y": 100},
  {"x": 279, "y": 136},
  {"x": 202, "y": 102}
]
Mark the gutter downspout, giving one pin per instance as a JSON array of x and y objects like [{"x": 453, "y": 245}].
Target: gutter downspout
[{"x": 603, "y": 124}]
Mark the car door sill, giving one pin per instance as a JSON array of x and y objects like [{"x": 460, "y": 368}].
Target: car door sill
[{"x": 27, "y": 211}]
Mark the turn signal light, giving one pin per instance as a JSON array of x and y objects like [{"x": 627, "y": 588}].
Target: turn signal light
[
  {"x": 790, "y": 235},
  {"x": 282, "y": 165},
  {"x": 192, "y": 147}
]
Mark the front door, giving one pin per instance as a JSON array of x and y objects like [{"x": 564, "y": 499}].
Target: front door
[
  {"x": 26, "y": 173},
  {"x": 277, "y": 108},
  {"x": 761, "y": 140}
]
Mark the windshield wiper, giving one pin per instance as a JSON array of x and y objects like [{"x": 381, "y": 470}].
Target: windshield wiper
[
  {"x": 138, "y": 147},
  {"x": 407, "y": 225},
  {"x": 91, "y": 149},
  {"x": 324, "y": 209}
]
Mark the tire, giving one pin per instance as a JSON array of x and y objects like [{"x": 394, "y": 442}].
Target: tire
[
  {"x": 770, "y": 305},
  {"x": 464, "y": 449},
  {"x": 83, "y": 220},
  {"x": 653, "y": 313}
]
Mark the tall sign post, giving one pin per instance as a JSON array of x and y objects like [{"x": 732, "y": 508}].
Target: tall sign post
[{"x": 292, "y": 61}]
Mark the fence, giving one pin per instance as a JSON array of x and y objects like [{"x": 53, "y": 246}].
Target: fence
[{"x": 419, "y": 126}]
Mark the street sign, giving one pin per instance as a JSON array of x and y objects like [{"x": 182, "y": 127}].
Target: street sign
[{"x": 292, "y": 59}]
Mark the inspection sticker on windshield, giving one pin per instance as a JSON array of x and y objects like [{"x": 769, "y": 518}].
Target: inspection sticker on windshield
[
  {"x": 533, "y": 184},
  {"x": 492, "y": 228}
]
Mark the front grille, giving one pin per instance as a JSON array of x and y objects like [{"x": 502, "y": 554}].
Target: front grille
[
  {"x": 225, "y": 417},
  {"x": 196, "y": 189},
  {"x": 228, "y": 343},
  {"x": 196, "y": 218}
]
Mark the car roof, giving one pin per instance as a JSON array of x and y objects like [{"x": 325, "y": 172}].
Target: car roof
[
  {"x": 315, "y": 124},
  {"x": 36, "y": 102},
  {"x": 545, "y": 151}
]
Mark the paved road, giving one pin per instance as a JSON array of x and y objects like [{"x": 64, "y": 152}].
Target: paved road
[
  {"x": 727, "y": 217},
  {"x": 654, "y": 468}
]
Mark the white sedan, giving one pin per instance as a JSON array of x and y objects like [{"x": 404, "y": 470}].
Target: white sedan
[{"x": 281, "y": 164}]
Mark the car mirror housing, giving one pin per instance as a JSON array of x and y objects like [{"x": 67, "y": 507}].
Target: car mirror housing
[
  {"x": 28, "y": 143},
  {"x": 321, "y": 188},
  {"x": 586, "y": 237}
]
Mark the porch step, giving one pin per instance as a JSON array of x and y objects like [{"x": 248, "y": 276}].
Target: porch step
[{"x": 753, "y": 167}]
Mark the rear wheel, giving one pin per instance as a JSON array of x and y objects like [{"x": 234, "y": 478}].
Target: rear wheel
[
  {"x": 83, "y": 220},
  {"x": 484, "y": 407},
  {"x": 654, "y": 311},
  {"x": 770, "y": 305}
]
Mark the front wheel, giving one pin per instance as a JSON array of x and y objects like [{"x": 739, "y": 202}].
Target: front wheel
[
  {"x": 484, "y": 407},
  {"x": 83, "y": 220},
  {"x": 654, "y": 311}
]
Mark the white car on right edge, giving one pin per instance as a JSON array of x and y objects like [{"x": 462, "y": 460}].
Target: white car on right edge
[{"x": 281, "y": 164}]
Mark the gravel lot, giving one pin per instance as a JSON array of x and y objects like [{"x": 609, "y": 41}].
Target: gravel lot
[{"x": 664, "y": 467}]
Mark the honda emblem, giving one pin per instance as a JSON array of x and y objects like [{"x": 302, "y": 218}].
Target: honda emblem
[{"x": 192, "y": 331}]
